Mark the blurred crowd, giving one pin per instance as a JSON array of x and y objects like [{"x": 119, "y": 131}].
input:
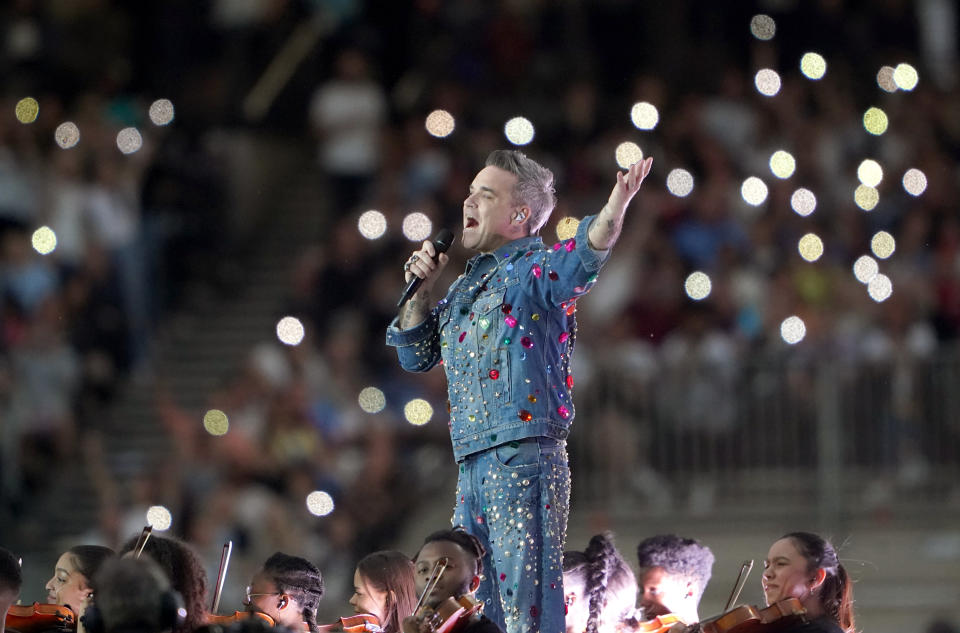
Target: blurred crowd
[{"x": 76, "y": 324}]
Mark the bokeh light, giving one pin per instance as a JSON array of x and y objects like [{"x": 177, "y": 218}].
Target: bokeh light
[
  {"x": 870, "y": 172},
  {"x": 914, "y": 182},
  {"x": 754, "y": 191},
  {"x": 567, "y": 228},
  {"x": 875, "y": 121},
  {"x": 883, "y": 244},
  {"x": 320, "y": 503},
  {"x": 129, "y": 140},
  {"x": 782, "y": 164},
  {"x": 418, "y": 412},
  {"x": 767, "y": 82},
  {"x": 161, "y": 112},
  {"x": 763, "y": 27},
  {"x": 813, "y": 66},
  {"x": 215, "y": 422},
  {"x": 866, "y": 197},
  {"x": 680, "y": 182},
  {"x": 519, "y": 130},
  {"x": 44, "y": 240},
  {"x": 440, "y": 123},
  {"x": 698, "y": 285},
  {"x": 885, "y": 79},
  {"x": 803, "y": 202},
  {"x": 880, "y": 288},
  {"x": 372, "y": 224},
  {"x": 159, "y": 518},
  {"x": 372, "y": 400},
  {"x": 793, "y": 329},
  {"x": 290, "y": 330},
  {"x": 67, "y": 134},
  {"x": 865, "y": 268},
  {"x": 644, "y": 115},
  {"x": 810, "y": 247},
  {"x": 628, "y": 153},
  {"x": 905, "y": 76},
  {"x": 27, "y": 110},
  {"x": 417, "y": 227}
]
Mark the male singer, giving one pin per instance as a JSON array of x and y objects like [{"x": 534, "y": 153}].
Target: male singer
[{"x": 505, "y": 331}]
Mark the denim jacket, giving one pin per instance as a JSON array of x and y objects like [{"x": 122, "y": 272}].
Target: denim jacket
[{"x": 505, "y": 333}]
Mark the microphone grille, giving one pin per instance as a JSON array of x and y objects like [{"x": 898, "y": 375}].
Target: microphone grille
[{"x": 443, "y": 240}]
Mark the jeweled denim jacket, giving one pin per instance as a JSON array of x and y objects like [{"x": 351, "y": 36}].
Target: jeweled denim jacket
[{"x": 505, "y": 333}]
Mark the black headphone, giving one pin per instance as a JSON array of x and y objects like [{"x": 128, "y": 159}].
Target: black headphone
[{"x": 172, "y": 614}]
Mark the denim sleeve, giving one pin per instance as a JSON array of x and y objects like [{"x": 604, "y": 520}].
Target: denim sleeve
[
  {"x": 418, "y": 348},
  {"x": 564, "y": 271}
]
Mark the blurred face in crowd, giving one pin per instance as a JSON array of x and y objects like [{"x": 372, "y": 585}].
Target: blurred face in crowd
[{"x": 68, "y": 586}]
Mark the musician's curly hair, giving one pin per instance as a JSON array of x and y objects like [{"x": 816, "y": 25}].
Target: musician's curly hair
[
  {"x": 684, "y": 557},
  {"x": 460, "y": 537}
]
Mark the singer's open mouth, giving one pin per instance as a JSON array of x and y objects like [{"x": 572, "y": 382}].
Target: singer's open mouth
[{"x": 470, "y": 223}]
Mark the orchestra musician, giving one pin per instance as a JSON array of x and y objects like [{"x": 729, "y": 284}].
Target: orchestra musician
[
  {"x": 463, "y": 554},
  {"x": 384, "y": 587},
  {"x": 599, "y": 587},
  {"x": 805, "y": 566},
  {"x": 10, "y": 581},
  {"x": 72, "y": 581},
  {"x": 674, "y": 572},
  {"x": 288, "y": 589},
  {"x": 134, "y": 596}
]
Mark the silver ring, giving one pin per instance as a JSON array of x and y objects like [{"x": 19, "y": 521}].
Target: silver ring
[
  {"x": 414, "y": 258},
  {"x": 406, "y": 267}
]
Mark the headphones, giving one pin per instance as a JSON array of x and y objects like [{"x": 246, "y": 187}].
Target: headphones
[
  {"x": 520, "y": 215},
  {"x": 172, "y": 614}
]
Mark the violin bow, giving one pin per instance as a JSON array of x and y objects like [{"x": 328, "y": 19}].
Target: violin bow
[
  {"x": 142, "y": 541},
  {"x": 438, "y": 568},
  {"x": 222, "y": 574},
  {"x": 745, "y": 568}
]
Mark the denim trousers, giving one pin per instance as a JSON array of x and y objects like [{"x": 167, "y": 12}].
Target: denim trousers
[{"x": 515, "y": 497}]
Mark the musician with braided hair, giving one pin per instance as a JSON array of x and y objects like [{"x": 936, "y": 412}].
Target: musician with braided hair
[
  {"x": 599, "y": 587},
  {"x": 288, "y": 589}
]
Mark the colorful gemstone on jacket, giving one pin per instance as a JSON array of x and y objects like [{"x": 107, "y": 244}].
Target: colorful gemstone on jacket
[
  {"x": 553, "y": 275},
  {"x": 563, "y": 337},
  {"x": 506, "y": 308},
  {"x": 494, "y": 374},
  {"x": 563, "y": 411},
  {"x": 463, "y": 335},
  {"x": 510, "y": 320},
  {"x": 572, "y": 244},
  {"x": 525, "y": 415},
  {"x": 570, "y": 381},
  {"x": 484, "y": 323},
  {"x": 526, "y": 341},
  {"x": 537, "y": 271}
]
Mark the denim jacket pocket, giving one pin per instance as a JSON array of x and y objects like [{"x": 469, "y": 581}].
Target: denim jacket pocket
[
  {"x": 522, "y": 457},
  {"x": 492, "y": 332}
]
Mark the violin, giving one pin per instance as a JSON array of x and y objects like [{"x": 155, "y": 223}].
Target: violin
[
  {"x": 749, "y": 619},
  {"x": 658, "y": 624},
  {"x": 360, "y": 623},
  {"x": 450, "y": 615},
  {"x": 227, "y": 620},
  {"x": 39, "y": 618}
]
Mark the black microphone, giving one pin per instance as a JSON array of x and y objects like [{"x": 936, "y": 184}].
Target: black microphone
[{"x": 441, "y": 241}]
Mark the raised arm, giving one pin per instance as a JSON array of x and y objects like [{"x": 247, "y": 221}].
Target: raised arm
[{"x": 606, "y": 227}]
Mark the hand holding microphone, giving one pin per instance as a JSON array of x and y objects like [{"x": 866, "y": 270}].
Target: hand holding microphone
[{"x": 426, "y": 263}]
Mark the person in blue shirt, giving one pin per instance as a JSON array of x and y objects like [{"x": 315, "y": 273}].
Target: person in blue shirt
[{"x": 505, "y": 332}]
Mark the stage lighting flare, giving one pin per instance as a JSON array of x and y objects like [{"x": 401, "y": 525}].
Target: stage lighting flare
[
  {"x": 905, "y": 76},
  {"x": 767, "y": 82},
  {"x": 215, "y": 422},
  {"x": 519, "y": 130},
  {"x": 161, "y": 112},
  {"x": 628, "y": 153},
  {"x": 866, "y": 197},
  {"x": 914, "y": 182},
  {"x": 418, "y": 412},
  {"x": 290, "y": 331},
  {"x": 754, "y": 191},
  {"x": 159, "y": 518},
  {"x": 792, "y": 330},
  {"x": 813, "y": 66},
  {"x": 372, "y": 224},
  {"x": 67, "y": 134},
  {"x": 865, "y": 269},
  {"x": 129, "y": 140},
  {"x": 782, "y": 164},
  {"x": 320, "y": 503},
  {"x": 372, "y": 400},
  {"x": 763, "y": 27},
  {"x": 698, "y": 285},
  {"x": 885, "y": 79},
  {"x": 27, "y": 110},
  {"x": 44, "y": 240},
  {"x": 870, "y": 172},
  {"x": 883, "y": 244},
  {"x": 810, "y": 247},
  {"x": 567, "y": 228},
  {"x": 875, "y": 121},
  {"x": 880, "y": 288},
  {"x": 680, "y": 182},
  {"x": 644, "y": 115},
  {"x": 417, "y": 227},
  {"x": 440, "y": 123},
  {"x": 803, "y": 202}
]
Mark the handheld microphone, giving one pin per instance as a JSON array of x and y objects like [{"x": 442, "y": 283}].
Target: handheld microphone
[{"x": 441, "y": 241}]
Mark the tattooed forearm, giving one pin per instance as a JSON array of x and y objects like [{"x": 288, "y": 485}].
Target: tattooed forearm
[{"x": 413, "y": 313}]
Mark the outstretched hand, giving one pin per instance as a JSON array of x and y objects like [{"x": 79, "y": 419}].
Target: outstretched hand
[{"x": 628, "y": 184}]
